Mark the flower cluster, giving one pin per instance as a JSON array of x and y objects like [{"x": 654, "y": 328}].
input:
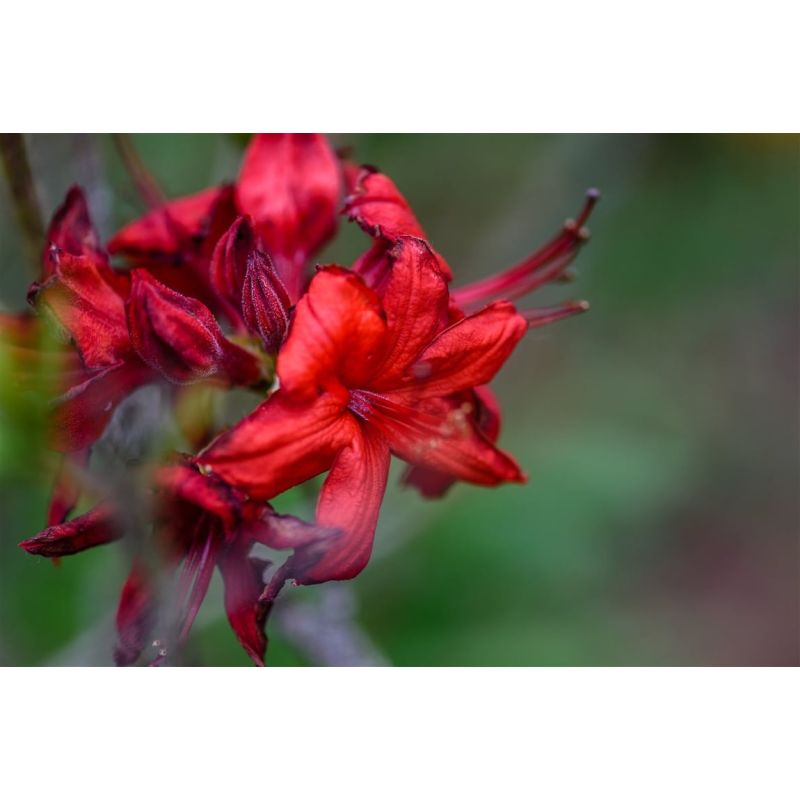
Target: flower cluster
[{"x": 352, "y": 365}]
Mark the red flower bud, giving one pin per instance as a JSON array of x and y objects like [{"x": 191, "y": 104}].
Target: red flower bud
[
  {"x": 229, "y": 265},
  {"x": 179, "y": 337},
  {"x": 265, "y": 301}
]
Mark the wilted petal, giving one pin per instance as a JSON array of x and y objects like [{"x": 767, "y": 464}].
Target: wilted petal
[
  {"x": 94, "y": 528},
  {"x": 290, "y": 185},
  {"x": 179, "y": 337}
]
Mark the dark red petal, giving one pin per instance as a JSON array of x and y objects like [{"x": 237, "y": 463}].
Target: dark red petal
[
  {"x": 94, "y": 528},
  {"x": 437, "y": 436},
  {"x": 67, "y": 487},
  {"x": 350, "y": 501},
  {"x": 195, "y": 578},
  {"x": 81, "y": 414},
  {"x": 290, "y": 185},
  {"x": 415, "y": 301},
  {"x": 175, "y": 230},
  {"x": 72, "y": 231},
  {"x": 185, "y": 483},
  {"x": 179, "y": 337},
  {"x": 88, "y": 300},
  {"x": 265, "y": 302},
  {"x": 282, "y": 443},
  {"x": 242, "y": 577},
  {"x": 286, "y": 532},
  {"x": 135, "y": 616},
  {"x": 466, "y": 354},
  {"x": 336, "y": 335},
  {"x": 484, "y": 417},
  {"x": 380, "y": 209}
]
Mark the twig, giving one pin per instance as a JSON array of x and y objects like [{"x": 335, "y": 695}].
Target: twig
[
  {"x": 145, "y": 183},
  {"x": 14, "y": 155}
]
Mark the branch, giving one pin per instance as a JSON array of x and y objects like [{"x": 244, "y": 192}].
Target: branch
[
  {"x": 14, "y": 155},
  {"x": 145, "y": 183}
]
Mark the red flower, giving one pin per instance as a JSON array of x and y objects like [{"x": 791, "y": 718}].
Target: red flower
[
  {"x": 289, "y": 184},
  {"x": 363, "y": 374},
  {"x": 380, "y": 209},
  {"x": 127, "y": 329},
  {"x": 200, "y": 523}
]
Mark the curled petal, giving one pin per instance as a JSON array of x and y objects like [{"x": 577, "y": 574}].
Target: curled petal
[
  {"x": 179, "y": 337},
  {"x": 135, "y": 616},
  {"x": 72, "y": 231},
  {"x": 265, "y": 302},
  {"x": 337, "y": 335},
  {"x": 94, "y": 528},
  {"x": 195, "y": 577},
  {"x": 380, "y": 209},
  {"x": 282, "y": 443},
  {"x": 468, "y": 353},
  {"x": 290, "y": 185}
]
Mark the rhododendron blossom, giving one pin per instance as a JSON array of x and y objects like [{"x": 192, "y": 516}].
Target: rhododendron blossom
[{"x": 349, "y": 367}]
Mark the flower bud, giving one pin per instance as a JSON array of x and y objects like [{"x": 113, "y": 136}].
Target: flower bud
[{"x": 265, "y": 302}]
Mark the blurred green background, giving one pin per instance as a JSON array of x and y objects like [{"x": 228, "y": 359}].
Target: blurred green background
[{"x": 660, "y": 431}]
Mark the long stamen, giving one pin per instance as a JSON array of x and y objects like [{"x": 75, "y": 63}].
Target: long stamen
[
  {"x": 537, "y": 317},
  {"x": 545, "y": 265}
]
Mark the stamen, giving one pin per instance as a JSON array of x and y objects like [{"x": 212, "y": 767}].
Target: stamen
[
  {"x": 538, "y": 317},
  {"x": 545, "y": 265}
]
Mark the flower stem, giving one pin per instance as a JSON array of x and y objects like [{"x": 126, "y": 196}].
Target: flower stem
[
  {"x": 14, "y": 156},
  {"x": 145, "y": 183}
]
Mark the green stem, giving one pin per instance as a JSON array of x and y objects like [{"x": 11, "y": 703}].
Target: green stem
[{"x": 145, "y": 183}]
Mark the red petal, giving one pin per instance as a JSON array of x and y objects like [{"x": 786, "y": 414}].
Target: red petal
[
  {"x": 88, "y": 299},
  {"x": 94, "y": 528},
  {"x": 336, "y": 335},
  {"x": 72, "y": 231},
  {"x": 282, "y": 443},
  {"x": 81, "y": 414},
  {"x": 437, "y": 436},
  {"x": 243, "y": 581},
  {"x": 265, "y": 302},
  {"x": 290, "y": 185},
  {"x": 484, "y": 417},
  {"x": 350, "y": 501},
  {"x": 195, "y": 577},
  {"x": 135, "y": 616},
  {"x": 415, "y": 302},
  {"x": 172, "y": 232},
  {"x": 467, "y": 354},
  {"x": 179, "y": 337}
]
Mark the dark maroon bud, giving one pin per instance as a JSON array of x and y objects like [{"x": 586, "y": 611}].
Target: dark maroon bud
[{"x": 265, "y": 302}]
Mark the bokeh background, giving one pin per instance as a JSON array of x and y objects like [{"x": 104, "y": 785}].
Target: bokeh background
[{"x": 660, "y": 431}]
